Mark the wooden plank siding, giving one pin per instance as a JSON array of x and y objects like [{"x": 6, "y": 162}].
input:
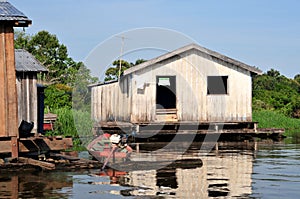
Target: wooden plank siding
[
  {"x": 27, "y": 98},
  {"x": 131, "y": 102},
  {"x": 8, "y": 91}
]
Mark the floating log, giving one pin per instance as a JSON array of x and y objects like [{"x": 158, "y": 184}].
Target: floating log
[{"x": 42, "y": 164}]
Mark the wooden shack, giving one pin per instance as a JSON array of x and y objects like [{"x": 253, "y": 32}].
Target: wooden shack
[
  {"x": 188, "y": 85},
  {"x": 10, "y": 17},
  {"x": 27, "y": 71},
  {"x": 19, "y": 104}
]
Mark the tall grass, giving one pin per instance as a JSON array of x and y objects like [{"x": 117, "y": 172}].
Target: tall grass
[
  {"x": 272, "y": 119},
  {"x": 74, "y": 123}
]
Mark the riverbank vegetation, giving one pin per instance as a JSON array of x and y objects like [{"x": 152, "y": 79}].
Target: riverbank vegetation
[
  {"x": 66, "y": 92},
  {"x": 276, "y": 101}
]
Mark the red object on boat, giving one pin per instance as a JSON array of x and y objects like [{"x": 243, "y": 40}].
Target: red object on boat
[
  {"x": 48, "y": 126},
  {"x": 105, "y": 153},
  {"x": 100, "y": 148},
  {"x": 49, "y": 120}
]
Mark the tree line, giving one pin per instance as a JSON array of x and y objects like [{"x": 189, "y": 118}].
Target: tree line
[{"x": 275, "y": 92}]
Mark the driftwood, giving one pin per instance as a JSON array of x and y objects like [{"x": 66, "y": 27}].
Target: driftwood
[{"x": 42, "y": 164}]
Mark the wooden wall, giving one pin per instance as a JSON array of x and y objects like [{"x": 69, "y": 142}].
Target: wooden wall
[
  {"x": 111, "y": 102},
  {"x": 8, "y": 93},
  {"x": 27, "y": 98},
  {"x": 134, "y": 96}
]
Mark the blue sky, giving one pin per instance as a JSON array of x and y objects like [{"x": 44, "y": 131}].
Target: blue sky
[{"x": 261, "y": 33}]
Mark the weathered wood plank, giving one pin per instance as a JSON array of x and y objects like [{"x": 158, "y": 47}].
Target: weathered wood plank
[
  {"x": 42, "y": 164},
  {"x": 11, "y": 82},
  {"x": 3, "y": 99}
]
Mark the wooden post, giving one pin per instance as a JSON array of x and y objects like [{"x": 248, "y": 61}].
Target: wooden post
[
  {"x": 8, "y": 89},
  {"x": 217, "y": 147},
  {"x": 137, "y": 147},
  {"x": 14, "y": 147},
  {"x": 15, "y": 187}
]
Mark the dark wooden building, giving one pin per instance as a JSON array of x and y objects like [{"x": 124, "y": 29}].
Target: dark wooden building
[
  {"x": 10, "y": 17},
  {"x": 18, "y": 91},
  {"x": 27, "y": 71}
]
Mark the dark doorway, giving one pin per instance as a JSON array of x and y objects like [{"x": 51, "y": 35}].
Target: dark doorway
[{"x": 165, "y": 92}]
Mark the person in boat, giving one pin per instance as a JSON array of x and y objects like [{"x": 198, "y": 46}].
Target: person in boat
[{"x": 110, "y": 142}]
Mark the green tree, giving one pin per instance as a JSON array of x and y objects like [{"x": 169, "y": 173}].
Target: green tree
[
  {"x": 297, "y": 78},
  {"x": 113, "y": 73},
  {"x": 47, "y": 49},
  {"x": 81, "y": 93},
  {"x": 65, "y": 75},
  {"x": 273, "y": 91}
]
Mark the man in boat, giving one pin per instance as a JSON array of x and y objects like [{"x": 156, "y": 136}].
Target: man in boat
[{"x": 106, "y": 144}]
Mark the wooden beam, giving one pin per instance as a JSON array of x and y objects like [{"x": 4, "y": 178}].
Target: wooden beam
[
  {"x": 11, "y": 83},
  {"x": 14, "y": 147},
  {"x": 33, "y": 144},
  {"x": 8, "y": 91},
  {"x": 44, "y": 165},
  {"x": 3, "y": 110}
]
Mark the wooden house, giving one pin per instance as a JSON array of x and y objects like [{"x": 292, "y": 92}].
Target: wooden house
[
  {"x": 190, "y": 84},
  {"x": 27, "y": 71},
  {"x": 10, "y": 17},
  {"x": 18, "y": 89}
]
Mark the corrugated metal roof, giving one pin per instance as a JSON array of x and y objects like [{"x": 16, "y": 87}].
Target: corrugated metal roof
[
  {"x": 9, "y": 13},
  {"x": 26, "y": 62},
  {"x": 196, "y": 47}
]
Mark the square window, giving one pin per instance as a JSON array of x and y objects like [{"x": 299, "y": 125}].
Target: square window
[{"x": 217, "y": 85}]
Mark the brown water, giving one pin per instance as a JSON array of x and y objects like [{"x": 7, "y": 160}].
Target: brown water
[{"x": 271, "y": 172}]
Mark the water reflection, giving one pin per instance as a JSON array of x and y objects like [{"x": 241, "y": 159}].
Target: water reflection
[
  {"x": 226, "y": 173},
  {"x": 218, "y": 174},
  {"x": 222, "y": 173},
  {"x": 33, "y": 184}
]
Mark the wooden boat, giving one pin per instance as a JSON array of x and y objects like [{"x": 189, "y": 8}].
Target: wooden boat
[
  {"x": 101, "y": 155},
  {"x": 101, "y": 147}
]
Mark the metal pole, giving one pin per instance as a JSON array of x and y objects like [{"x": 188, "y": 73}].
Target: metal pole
[{"x": 120, "y": 66}]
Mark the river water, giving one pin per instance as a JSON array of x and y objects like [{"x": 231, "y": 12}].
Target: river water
[{"x": 273, "y": 171}]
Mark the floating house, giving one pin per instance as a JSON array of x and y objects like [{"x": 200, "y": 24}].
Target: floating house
[
  {"x": 19, "y": 91},
  {"x": 10, "y": 17},
  {"x": 189, "y": 85},
  {"x": 30, "y": 93}
]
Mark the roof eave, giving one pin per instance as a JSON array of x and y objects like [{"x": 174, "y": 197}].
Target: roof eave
[{"x": 252, "y": 69}]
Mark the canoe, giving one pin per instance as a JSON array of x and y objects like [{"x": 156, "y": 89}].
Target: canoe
[{"x": 100, "y": 148}]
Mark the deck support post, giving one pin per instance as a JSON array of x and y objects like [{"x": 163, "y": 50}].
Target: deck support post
[
  {"x": 216, "y": 128},
  {"x": 14, "y": 147},
  {"x": 255, "y": 145},
  {"x": 137, "y": 128},
  {"x": 217, "y": 147},
  {"x": 255, "y": 127}
]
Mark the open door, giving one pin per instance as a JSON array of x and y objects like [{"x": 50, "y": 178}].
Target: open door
[{"x": 166, "y": 98}]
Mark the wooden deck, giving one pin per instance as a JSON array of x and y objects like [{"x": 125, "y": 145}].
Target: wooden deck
[
  {"x": 37, "y": 145},
  {"x": 227, "y": 130}
]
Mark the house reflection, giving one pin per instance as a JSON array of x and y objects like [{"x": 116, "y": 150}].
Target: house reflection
[
  {"x": 33, "y": 184},
  {"x": 223, "y": 174}
]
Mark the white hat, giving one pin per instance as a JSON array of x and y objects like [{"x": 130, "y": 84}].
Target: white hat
[{"x": 115, "y": 138}]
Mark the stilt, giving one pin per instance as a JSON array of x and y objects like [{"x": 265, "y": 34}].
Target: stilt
[
  {"x": 255, "y": 145},
  {"x": 137, "y": 147},
  {"x": 217, "y": 147},
  {"x": 14, "y": 147}
]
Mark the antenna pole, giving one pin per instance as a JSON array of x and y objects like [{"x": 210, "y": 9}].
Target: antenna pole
[{"x": 120, "y": 65}]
